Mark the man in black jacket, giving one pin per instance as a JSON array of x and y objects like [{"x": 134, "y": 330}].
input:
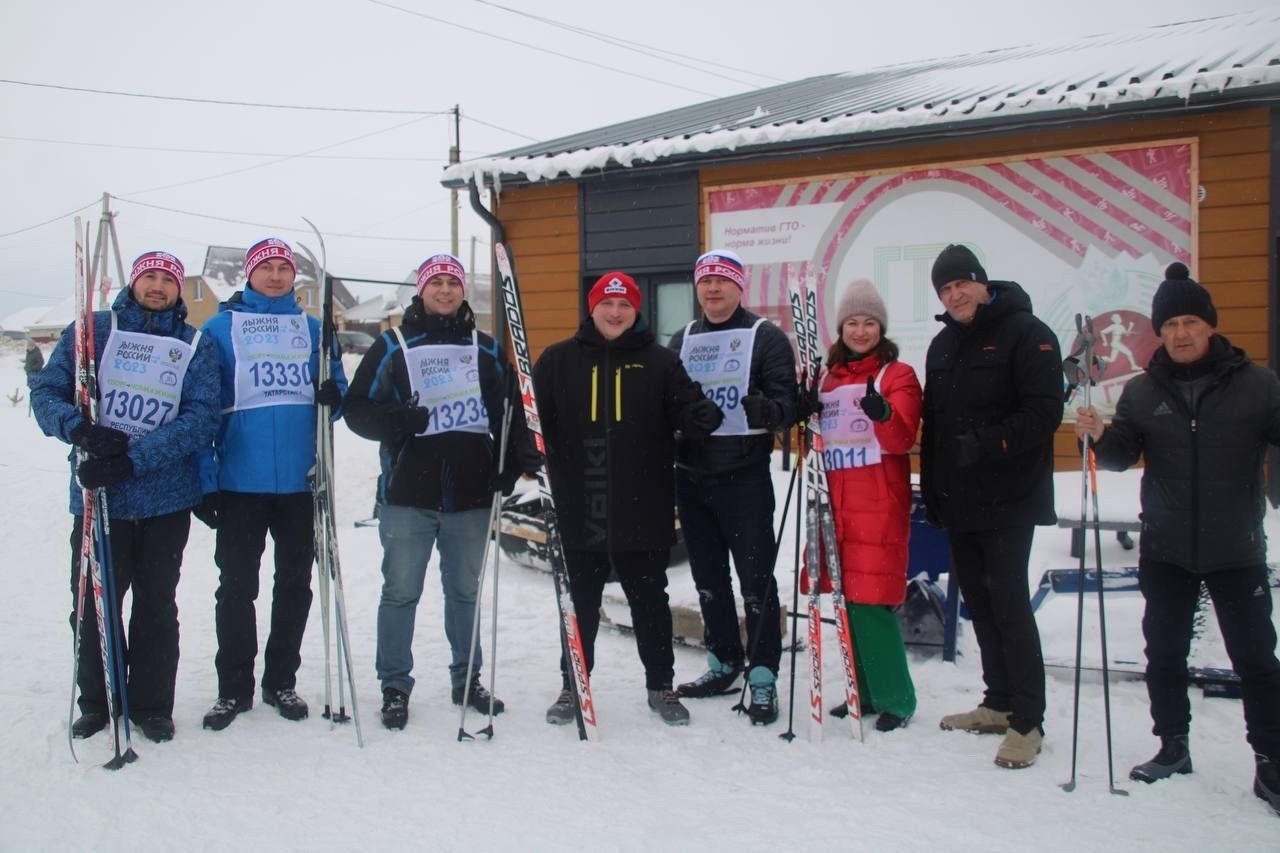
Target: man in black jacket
[
  {"x": 992, "y": 401},
  {"x": 611, "y": 400},
  {"x": 1201, "y": 417},
  {"x": 431, "y": 393},
  {"x": 724, "y": 491}
]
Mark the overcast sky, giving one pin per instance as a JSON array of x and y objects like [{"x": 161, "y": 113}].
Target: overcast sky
[{"x": 516, "y": 79}]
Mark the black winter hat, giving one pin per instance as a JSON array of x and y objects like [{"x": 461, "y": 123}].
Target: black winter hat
[
  {"x": 1178, "y": 295},
  {"x": 956, "y": 262}
]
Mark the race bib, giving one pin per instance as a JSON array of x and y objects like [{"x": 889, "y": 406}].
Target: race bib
[
  {"x": 446, "y": 380},
  {"x": 273, "y": 360},
  {"x": 721, "y": 363},
  {"x": 848, "y": 435},
  {"x": 140, "y": 379}
]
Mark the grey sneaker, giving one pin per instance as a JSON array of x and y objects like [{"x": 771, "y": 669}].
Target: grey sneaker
[
  {"x": 666, "y": 704},
  {"x": 564, "y": 710}
]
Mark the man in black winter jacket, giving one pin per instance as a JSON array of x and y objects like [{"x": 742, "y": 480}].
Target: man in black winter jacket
[
  {"x": 431, "y": 393},
  {"x": 610, "y": 400},
  {"x": 1201, "y": 417},
  {"x": 992, "y": 401},
  {"x": 724, "y": 491}
]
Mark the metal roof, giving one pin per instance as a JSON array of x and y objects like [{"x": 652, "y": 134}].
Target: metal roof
[{"x": 1176, "y": 66}]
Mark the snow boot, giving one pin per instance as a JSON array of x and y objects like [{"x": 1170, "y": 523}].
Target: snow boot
[
  {"x": 88, "y": 724},
  {"x": 716, "y": 681},
  {"x": 157, "y": 727},
  {"x": 981, "y": 720},
  {"x": 226, "y": 709},
  {"x": 842, "y": 710},
  {"x": 666, "y": 704},
  {"x": 395, "y": 708},
  {"x": 763, "y": 708},
  {"x": 288, "y": 703},
  {"x": 478, "y": 698},
  {"x": 1019, "y": 750},
  {"x": 887, "y": 722},
  {"x": 564, "y": 710},
  {"x": 1173, "y": 757},
  {"x": 1266, "y": 781}
]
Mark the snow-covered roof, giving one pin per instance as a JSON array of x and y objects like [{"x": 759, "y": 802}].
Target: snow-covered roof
[
  {"x": 1172, "y": 67},
  {"x": 23, "y": 318}
]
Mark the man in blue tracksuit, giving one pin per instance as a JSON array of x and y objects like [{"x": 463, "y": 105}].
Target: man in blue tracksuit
[
  {"x": 256, "y": 479},
  {"x": 157, "y": 407}
]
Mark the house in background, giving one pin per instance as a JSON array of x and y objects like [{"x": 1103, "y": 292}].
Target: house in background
[{"x": 1079, "y": 169}]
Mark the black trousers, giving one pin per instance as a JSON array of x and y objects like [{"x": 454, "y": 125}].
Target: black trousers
[
  {"x": 733, "y": 515},
  {"x": 643, "y": 575},
  {"x": 991, "y": 566},
  {"x": 146, "y": 556},
  {"x": 1242, "y": 600},
  {"x": 244, "y": 520}
]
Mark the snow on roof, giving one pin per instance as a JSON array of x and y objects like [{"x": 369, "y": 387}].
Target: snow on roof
[
  {"x": 23, "y": 318},
  {"x": 1216, "y": 60}
]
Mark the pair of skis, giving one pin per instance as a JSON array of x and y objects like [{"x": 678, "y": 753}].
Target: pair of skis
[
  {"x": 820, "y": 535},
  {"x": 95, "y": 542},
  {"x": 329, "y": 567}
]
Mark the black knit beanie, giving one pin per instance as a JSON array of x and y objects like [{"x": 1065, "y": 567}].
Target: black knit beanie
[
  {"x": 1178, "y": 295},
  {"x": 956, "y": 262}
]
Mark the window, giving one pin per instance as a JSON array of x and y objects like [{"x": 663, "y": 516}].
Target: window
[
  {"x": 673, "y": 308},
  {"x": 197, "y": 289}
]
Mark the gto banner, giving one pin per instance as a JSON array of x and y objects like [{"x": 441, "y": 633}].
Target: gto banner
[{"x": 1083, "y": 232}]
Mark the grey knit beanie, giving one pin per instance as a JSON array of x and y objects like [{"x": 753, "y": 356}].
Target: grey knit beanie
[{"x": 861, "y": 297}]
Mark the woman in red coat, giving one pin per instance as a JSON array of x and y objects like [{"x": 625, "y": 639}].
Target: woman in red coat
[{"x": 871, "y": 410}]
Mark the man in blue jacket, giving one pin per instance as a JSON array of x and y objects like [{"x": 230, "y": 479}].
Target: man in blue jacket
[
  {"x": 157, "y": 407},
  {"x": 269, "y": 357}
]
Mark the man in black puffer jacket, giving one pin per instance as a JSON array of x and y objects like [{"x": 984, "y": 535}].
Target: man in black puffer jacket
[
  {"x": 431, "y": 393},
  {"x": 1201, "y": 417},
  {"x": 992, "y": 401},
  {"x": 724, "y": 490},
  {"x": 611, "y": 400}
]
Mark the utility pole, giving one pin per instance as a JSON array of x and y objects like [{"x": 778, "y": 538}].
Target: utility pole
[{"x": 455, "y": 152}]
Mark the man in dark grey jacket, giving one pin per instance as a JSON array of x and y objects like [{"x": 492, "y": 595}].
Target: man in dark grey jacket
[
  {"x": 724, "y": 493},
  {"x": 1201, "y": 417}
]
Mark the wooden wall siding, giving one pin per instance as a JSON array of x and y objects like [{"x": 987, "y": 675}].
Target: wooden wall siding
[
  {"x": 542, "y": 230},
  {"x": 639, "y": 224}
]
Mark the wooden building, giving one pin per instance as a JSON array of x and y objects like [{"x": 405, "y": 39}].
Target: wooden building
[{"x": 1079, "y": 169}]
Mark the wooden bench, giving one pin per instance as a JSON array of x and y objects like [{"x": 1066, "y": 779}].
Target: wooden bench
[{"x": 1122, "y": 530}]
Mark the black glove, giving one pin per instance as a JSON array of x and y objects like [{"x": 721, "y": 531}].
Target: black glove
[
  {"x": 808, "y": 403},
  {"x": 873, "y": 405},
  {"x": 760, "y": 411},
  {"x": 327, "y": 394},
  {"x": 703, "y": 417},
  {"x": 408, "y": 420},
  {"x": 100, "y": 440},
  {"x": 968, "y": 450},
  {"x": 207, "y": 510},
  {"x": 105, "y": 471}
]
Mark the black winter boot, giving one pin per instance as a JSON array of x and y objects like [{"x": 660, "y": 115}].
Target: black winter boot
[
  {"x": 290, "y": 705},
  {"x": 156, "y": 727},
  {"x": 395, "y": 708},
  {"x": 88, "y": 724},
  {"x": 1174, "y": 757},
  {"x": 1266, "y": 781},
  {"x": 226, "y": 709},
  {"x": 478, "y": 698}
]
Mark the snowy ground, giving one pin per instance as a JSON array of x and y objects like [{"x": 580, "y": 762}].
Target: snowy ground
[{"x": 718, "y": 784}]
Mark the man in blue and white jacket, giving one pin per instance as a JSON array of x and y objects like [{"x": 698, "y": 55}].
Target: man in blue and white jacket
[
  {"x": 256, "y": 479},
  {"x": 157, "y": 407}
]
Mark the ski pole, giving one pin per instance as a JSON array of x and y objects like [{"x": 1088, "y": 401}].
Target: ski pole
[
  {"x": 1102, "y": 625},
  {"x": 495, "y": 515},
  {"x": 771, "y": 587},
  {"x": 1087, "y": 351},
  {"x": 790, "y": 735}
]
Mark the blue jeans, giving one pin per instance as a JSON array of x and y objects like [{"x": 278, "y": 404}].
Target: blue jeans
[{"x": 408, "y": 535}]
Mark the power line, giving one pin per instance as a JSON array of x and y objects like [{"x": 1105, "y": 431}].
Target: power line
[
  {"x": 224, "y": 102},
  {"x": 540, "y": 49},
  {"x": 224, "y": 153},
  {"x": 503, "y": 129},
  {"x": 270, "y": 226},
  {"x": 51, "y": 221},
  {"x": 278, "y": 159},
  {"x": 638, "y": 47}
]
